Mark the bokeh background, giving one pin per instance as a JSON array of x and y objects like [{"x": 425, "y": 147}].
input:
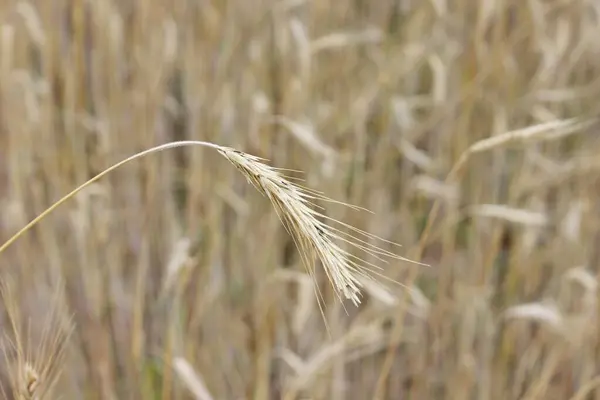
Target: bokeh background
[{"x": 177, "y": 275}]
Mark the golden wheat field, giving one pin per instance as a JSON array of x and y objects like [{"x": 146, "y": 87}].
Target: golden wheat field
[{"x": 362, "y": 200}]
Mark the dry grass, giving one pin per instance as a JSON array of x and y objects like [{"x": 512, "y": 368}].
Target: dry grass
[{"x": 468, "y": 128}]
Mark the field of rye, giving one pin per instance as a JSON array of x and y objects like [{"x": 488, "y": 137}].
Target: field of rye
[{"x": 447, "y": 149}]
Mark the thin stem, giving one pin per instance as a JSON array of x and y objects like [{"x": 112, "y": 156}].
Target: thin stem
[{"x": 54, "y": 206}]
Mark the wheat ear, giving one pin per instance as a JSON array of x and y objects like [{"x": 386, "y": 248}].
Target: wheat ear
[
  {"x": 33, "y": 370},
  {"x": 296, "y": 210}
]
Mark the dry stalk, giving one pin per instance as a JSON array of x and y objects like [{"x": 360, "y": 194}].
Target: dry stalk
[{"x": 295, "y": 207}]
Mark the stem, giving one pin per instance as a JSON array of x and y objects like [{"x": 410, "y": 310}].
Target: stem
[{"x": 54, "y": 206}]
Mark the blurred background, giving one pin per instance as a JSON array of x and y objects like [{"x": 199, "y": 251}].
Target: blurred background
[{"x": 177, "y": 276}]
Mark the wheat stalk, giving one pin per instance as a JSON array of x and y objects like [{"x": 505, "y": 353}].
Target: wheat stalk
[{"x": 295, "y": 207}]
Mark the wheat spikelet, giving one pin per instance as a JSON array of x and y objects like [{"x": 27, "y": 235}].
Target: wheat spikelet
[{"x": 30, "y": 381}]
